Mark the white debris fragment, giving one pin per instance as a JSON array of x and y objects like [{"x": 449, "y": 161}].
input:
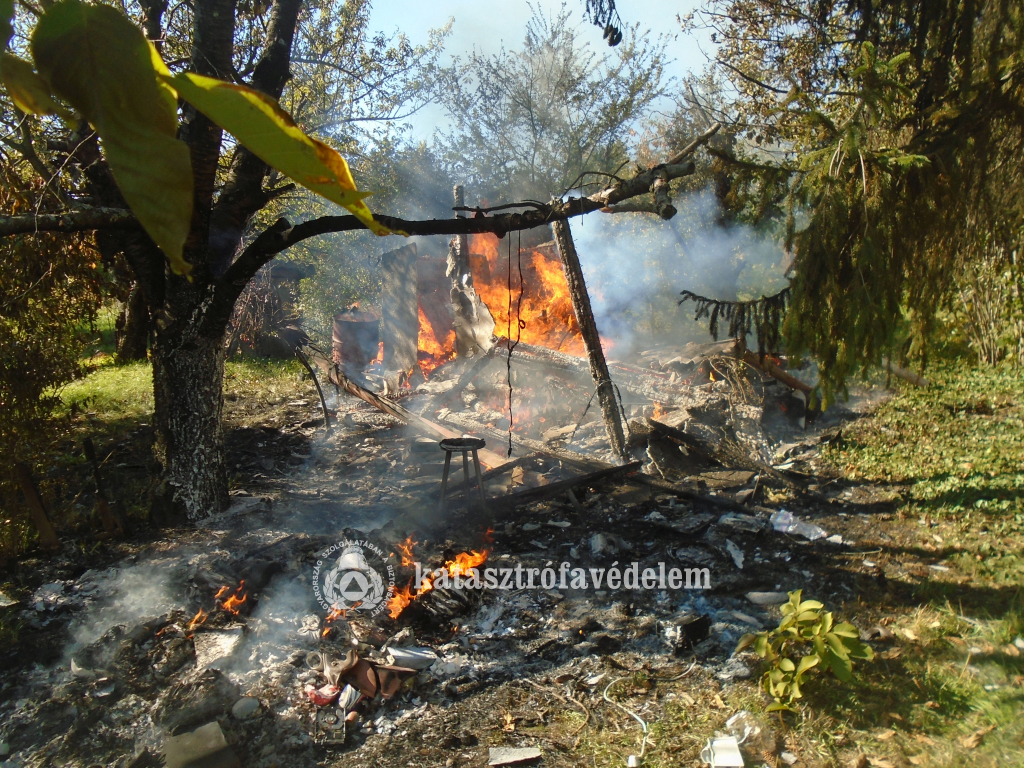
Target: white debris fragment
[
  {"x": 511, "y": 755},
  {"x": 735, "y": 552}
]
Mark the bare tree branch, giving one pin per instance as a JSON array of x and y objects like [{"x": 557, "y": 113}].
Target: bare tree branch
[{"x": 70, "y": 221}]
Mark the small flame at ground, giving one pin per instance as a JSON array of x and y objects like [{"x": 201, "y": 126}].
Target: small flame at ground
[
  {"x": 406, "y": 549},
  {"x": 232, "y": 602},
  {"x": 198, "y": 619}
]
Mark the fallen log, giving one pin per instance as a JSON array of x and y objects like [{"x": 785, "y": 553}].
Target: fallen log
[
  {"x": 542, "y": 492},
  {"x": 339, "y": 379}
]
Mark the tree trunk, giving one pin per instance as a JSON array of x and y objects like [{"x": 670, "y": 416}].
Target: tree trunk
[
  {"x": 591, "y": 339},
  {"x": 188, "y": 373},
  {"x": 133, "y": 337}
]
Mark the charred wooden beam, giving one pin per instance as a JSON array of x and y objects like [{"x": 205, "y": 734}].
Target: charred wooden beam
[
  {"x": 591, "y": 339},
  {"x": 685, "y": 493},
  {"x": 519, "y": 442},
  {"x": 765, "y": 364},
  {"x": 542, "y": 492},
  {"x": 339, "y": 379}
]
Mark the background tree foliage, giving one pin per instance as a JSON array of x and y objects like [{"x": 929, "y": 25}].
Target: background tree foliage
[
  {"x": 883, "y": 129},
  {"x": 528, "y": 122}
]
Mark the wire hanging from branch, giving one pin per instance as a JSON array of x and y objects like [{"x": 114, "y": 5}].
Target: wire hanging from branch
[
  {"x": 520, "y": 324},
  {"x": 762, "y": 316}
]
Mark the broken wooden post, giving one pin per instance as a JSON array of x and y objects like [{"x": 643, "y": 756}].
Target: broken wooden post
[
  {"x": 47, "y": 536},
  {"x": 474, "y": 324},
  {"x": 591, "y": 339},
  {"x": 111, "y": 524},
  {"x": 400, "y": 322}
]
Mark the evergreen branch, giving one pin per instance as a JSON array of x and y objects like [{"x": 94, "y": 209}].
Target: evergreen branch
[{"x": 763, "y": 316}]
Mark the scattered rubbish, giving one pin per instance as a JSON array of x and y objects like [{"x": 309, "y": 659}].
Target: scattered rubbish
[
  {"x": 788, "y": 758},
  {"x": 6, "y": 602},
  {"x": 204, "y": 746},
  {"x": 722, "y": 752},
  {"x": 686, "y": 631},
  {"x": 322, "y": 696},
  {"x": 942, "y": 568},
  {"x": 531, "y": 527},
  {"x": 412, "y": 658},
  {"x": 767, "y": 598},
  {"x": 735, "y": 552},
  {"x": 558, "y": 524},
  {"x": 348, "y": 698},
  {"x": 835, "y": 539},
  {"x": 740, "y": 522},
  {"x": 511, "y": 755},
  {"x": 215, "y": 646},
  {"x": 602, "y": 544},
  {"x": 1019, "y": 642},
  {"x": 751, "y": 734},
  {"x": 632, "y": 762},
  {"x": 245, "y": 707},
  {"x": 784, "y": 521}
]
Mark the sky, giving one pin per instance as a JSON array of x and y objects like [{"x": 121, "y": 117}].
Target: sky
[{"x": 485, "y": 26}]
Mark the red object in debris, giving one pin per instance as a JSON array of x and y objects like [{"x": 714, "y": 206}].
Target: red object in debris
[{"x": 323, "y": 696}]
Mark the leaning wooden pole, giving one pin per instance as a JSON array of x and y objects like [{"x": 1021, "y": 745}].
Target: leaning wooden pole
[{"x": 591, "y": 340}]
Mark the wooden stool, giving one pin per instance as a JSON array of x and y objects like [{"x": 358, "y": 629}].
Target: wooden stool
[{"x": 465, "y": 446}]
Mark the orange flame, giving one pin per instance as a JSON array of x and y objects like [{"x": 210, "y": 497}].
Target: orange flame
[
  {"x": 400, "y": 600},
  {"x": 406, "y": 549},
  {"x": 198, "y": 619},
  {"x": 461, "y": 565},
  {"x": 546, "y": 308},
  {"x": 431, "y": 352},
  {"x": 333, "y": 615},
  {"x": 233, "y": 601}
]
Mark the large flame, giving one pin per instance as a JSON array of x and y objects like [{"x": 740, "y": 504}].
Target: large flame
[
  {"x": 546, "y": 307},
  {"x": 431, "y": 351}
]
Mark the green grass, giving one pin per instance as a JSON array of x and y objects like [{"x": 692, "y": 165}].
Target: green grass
[
  {"x": 958, "y": 444},
  {"x": 111, "y": 393},
  {"x": 956, "y": 451}
]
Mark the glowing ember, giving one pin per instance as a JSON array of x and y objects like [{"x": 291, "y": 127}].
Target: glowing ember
[
  {"x": 198, "y": 619},
  {"x": 233, "y": 601},
  {"x": 431, "y": 352},
  {"x": 546, "y": 308}
]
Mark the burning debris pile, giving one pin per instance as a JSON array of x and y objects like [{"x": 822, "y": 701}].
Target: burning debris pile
[{"x": 350, "y": 613}]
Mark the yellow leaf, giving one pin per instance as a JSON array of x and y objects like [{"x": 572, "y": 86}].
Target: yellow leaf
[
  {"x": 269, "y": 132},
  {"x": 28, "y": 91},
  {"x": 96, "y": 59}
]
